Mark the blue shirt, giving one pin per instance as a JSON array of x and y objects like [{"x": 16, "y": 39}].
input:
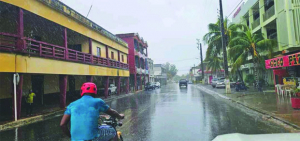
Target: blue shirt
[{"x": 84, "y": 114}]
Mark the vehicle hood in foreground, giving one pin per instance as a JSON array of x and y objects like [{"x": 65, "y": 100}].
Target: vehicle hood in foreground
[{"x": 259, "y": 137}]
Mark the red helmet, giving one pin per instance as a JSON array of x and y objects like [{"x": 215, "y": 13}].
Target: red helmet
[{"x": 88, "y": 87}]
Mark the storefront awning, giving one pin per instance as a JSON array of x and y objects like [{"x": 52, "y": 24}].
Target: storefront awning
[{"x": 283, "y": 61}]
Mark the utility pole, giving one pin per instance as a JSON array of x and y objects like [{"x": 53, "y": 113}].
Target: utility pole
[
  {"x": 201, "y": 59},
  {"x": 227, "y": 82},
  {"x": 223, "y": 40}
]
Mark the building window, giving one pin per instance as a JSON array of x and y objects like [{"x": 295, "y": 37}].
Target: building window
[
  {"x": 98, "y": 52},
  {"x": 112, "y": 55},
  {"x": 122, "y": 58}
]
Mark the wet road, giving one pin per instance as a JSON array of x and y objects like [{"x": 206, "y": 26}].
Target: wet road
[{"x": 163, "y": 114}]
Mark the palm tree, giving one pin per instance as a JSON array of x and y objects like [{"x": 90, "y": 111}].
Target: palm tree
[
  {"x": 214, "y": 38},
  {"x": 246, "y": 43},
  {"x": 215, "y": 64}
]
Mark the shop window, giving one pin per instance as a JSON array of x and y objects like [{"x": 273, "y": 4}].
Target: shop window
[
  {"x": 98, "y": 51},
  {"x": 112, "y": 55}
]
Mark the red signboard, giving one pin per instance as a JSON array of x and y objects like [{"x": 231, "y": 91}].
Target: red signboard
[{"x": 284, "y": 61}]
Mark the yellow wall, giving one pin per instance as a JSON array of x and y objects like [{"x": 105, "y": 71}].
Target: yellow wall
[
  {"x": 95, "y": 44},
  {"x": 25, "y": 64},
  {"x": 7, "y": 62},
  {"x": 51, "y": 84},
  {"x": 115, "y": 53},
  {"x": 125, "y": 57},
  {"x": 44, "y": 11},
  {"x": 84, "y": 44}
]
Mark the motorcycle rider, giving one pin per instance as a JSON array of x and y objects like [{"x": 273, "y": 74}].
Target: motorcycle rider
[{"x": 84, "y": 114}]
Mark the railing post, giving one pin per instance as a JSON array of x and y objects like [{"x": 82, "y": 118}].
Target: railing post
[
  {"x": 83, "y": 57},
  {"x": 76, "y": 55},
  {"x": 66, "y": 43},
  {"x": 53, "y": 52},
  {"x": 40, "y": 49}
]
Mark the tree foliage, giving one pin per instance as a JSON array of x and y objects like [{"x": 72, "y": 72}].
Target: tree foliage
[{"x": 171, "y": 70}]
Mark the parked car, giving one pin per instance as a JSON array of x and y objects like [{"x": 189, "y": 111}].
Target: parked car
[
  {"x": 150, "y": 86},
  {"x": 157, "y": 85},
  {"x": 112, "y": 89},
  {"x": 183, "y": 82},
  {"x": 190, "y": 82},
  {"x": 215, "y": 81},
  {"x": 220, "y": 83}
]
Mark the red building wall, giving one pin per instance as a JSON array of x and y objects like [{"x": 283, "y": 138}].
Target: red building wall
[{"x": 131, "y": 57}]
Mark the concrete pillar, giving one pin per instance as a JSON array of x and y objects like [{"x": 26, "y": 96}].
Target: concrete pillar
[
  {"x": 106, "y": 52},
  {"x": 63, "y": 82},
  {"x": 135, "y": 83},
  {"x": 250, "y": 18},
  {"x": 144, "y": 79},
  {"x": 141, "y": 84},
  {"x": 261, "y": 11},
  {"x": 20, "y": 30},
  {"x": 89, "y": 78},
  {"x": 19, "y": 93},
  {"x": 66, "y": 43},
  {"x": 118, "y": 84},
  {"x": 289, "y": 22},
  {"x": 264, "y": 32},
  {"x": 127, "y": 85},
  {"x": 106, "y": 85}
]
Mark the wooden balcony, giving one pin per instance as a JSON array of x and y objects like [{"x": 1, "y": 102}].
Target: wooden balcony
[{"x": 9, "y": 42}]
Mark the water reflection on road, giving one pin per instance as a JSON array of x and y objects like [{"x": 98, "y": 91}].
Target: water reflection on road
[{"x": 163, "y": 114}]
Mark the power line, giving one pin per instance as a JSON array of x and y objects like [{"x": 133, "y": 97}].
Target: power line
[{"x": 235, "y": 8}]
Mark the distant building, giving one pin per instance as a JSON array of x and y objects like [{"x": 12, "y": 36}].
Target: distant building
[
  {"x": 160, "y": 74},
  {"x": 138, "y": 60},
  {"x": 151, "y": 69}
]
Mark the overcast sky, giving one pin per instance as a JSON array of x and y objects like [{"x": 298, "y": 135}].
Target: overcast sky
[{"x": 170, "y": 27}]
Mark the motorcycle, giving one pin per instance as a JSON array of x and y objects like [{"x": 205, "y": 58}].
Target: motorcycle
[
  {"x": 107, "y": 129},
  {"x": 240, "y": 86}
]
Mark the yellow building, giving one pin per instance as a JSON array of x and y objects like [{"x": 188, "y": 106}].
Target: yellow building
[{"x": 54, "y": 49}]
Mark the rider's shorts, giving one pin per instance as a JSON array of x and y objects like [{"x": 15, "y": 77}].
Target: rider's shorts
[{"x": 105, "y": 133}]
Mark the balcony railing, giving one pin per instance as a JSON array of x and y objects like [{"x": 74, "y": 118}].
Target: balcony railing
[
  {"x": 269, "y": 13},
  {"x": 8, "y": 42},
  {"x": 255, "y": 23}
]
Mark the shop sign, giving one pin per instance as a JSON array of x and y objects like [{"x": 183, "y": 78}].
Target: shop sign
[
  {"x": 61, "y": 7},
  {"x": 284, "y": 61}
]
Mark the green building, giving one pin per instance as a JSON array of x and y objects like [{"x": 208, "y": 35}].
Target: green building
[{"x": 276, "y": 19}]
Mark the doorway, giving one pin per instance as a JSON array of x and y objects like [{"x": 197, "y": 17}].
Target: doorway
[{"x": 37, "y": 82}]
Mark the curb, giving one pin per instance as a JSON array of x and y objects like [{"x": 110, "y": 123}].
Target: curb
[
  {"x": 270, "y": 115},
  {"x": 30, "y": 120}
]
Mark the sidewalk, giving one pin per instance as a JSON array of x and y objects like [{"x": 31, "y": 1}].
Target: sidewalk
[
  {"x": 267, "y": 102},
  {"x": 44, "y": 112}
]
